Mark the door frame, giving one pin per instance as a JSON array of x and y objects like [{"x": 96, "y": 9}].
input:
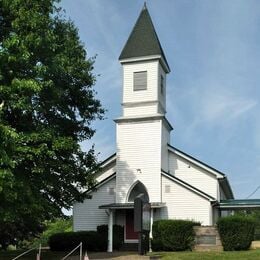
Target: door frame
[{"x": 133, "y": 241}]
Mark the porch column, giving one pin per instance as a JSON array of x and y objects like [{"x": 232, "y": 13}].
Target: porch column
[
  {"x": 151, "y": 231},
  {"x": 110, "y": 231}
]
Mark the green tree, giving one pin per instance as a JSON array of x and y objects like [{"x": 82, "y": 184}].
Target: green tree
[
  {"x": 47, "y": 105},
  {"x": 51, "y": 227}
]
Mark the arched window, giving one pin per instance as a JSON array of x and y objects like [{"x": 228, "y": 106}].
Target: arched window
[{"x": 138, "y": 189}]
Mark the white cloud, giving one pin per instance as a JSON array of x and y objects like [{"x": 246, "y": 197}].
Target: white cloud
[
  {"x": 105, "y": 16},
  {"x": 224, "y": 107}
]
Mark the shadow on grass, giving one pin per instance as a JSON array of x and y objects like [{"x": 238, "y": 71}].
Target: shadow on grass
[{"x": 52, "y": 255}]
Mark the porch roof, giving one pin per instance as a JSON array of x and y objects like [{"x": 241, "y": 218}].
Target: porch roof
[
  {"x": 239, "y": 204},
  {"x": 129, "y": 205}
]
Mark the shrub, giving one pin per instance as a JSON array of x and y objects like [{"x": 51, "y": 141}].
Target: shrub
[
  {"x": 173, "y": 235},
  {"x": 236, "y": 232},
  {"x": 91, "y": 241},
  {"x": 118, "y": 234}
]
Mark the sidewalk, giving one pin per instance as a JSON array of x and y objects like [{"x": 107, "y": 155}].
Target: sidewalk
[{"x": 115, "y": 256}]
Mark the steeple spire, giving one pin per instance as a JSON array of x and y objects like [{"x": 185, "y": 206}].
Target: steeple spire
[{"x": 143, "y": 40}]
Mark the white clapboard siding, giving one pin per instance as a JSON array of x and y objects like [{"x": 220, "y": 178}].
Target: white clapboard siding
[
  {"x": 192, "y": 174},
  {"x": 139, "y": 147},
  {"x": 145, "y": 109},
  {"x": 184, "y": 204},
  {"x": 150, "y": 94},
  {"x": 87, "y": 215}
]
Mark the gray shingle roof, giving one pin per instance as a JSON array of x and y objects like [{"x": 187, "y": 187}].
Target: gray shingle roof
[{"x": 143, "y": 40}]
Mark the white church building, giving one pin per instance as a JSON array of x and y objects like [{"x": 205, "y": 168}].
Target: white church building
[{"x": 177, "y": 185}]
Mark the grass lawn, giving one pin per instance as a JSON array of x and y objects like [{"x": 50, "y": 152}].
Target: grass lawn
[{"x": 245, "y": 255}]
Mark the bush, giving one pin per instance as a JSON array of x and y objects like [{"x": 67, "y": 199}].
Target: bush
[
  {"x": 118, "y": 235},
  {"x": 91, "y": 241},
  {"x": 173, "y": 235},
  {"x": 236, "y": 232}
]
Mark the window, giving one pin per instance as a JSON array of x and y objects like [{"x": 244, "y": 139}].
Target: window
[
  {"x": 167, "y": 188},
  {"x": 140, "y": 80},
  {"x": 162, "y": 84},
  {"x": 138, "y": 189},
  {"x": 111, "y": 191}
]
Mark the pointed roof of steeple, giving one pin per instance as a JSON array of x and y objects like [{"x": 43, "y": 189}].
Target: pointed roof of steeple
[{"x": 143, "y": 40}]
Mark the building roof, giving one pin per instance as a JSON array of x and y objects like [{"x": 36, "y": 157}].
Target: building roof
[
  {"x": 239, "y": 204},
  {"x": 108, "y": 160},
  {"x": 143, "y": 40}
]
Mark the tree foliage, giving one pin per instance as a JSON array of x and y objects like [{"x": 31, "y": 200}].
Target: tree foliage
[
  {"x": 47, "y": 105},
  {"x": 51, "y": 227}
]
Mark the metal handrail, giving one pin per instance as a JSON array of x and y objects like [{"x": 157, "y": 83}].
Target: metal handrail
[
  {"x": 38, "y": 256},
  {"x": 24, "y": 253},
  {"x": 80, "y": 252}
]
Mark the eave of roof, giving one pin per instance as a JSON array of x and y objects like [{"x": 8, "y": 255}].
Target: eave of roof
[
  {"x": 108, "y": 160},
  {"x": 188, "y": 186},
  {"x": 129, "y": 205},
  {"x": 110, "y": 177},
  {"x": 224, "y": 183}
]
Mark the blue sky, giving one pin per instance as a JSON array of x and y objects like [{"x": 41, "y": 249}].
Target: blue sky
[{"x": 213, "y": 91}]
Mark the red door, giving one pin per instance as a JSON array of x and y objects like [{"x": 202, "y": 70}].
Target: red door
[{"x": 129, "y": 225}]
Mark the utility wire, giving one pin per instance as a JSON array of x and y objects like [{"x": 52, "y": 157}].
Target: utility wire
[{"x": 250, "y": 195}]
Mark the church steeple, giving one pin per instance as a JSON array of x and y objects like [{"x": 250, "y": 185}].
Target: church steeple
[
  {"x": 144, "y": 71},
  {"x": 143, "y": 130},
  {"x": 143, "y": 40}
]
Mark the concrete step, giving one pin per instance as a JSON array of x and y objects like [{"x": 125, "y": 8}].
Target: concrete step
[
  {"x": 208, "y": 248},
  {"x": 129, "y": 247}
]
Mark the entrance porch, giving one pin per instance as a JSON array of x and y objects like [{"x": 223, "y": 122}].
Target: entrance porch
[{"x": 123, "y": 214}]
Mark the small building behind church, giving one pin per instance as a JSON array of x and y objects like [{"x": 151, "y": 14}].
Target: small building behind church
[{"x": 177, "y": 185}]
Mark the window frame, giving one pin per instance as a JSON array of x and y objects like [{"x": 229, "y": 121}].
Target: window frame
[{"x": 138, "y": 87}]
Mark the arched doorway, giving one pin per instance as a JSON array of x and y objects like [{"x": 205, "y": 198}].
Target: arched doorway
[{"x": 137, "y": 189}]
